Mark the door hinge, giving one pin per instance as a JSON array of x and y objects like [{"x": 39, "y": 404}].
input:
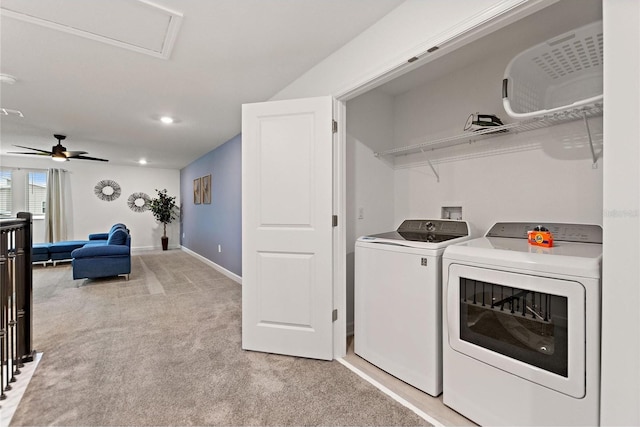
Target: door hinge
[
  {"x": 334, "y": 315},
  {"x": 334, "y": 220},
  {"x": 334, "y": 126}
]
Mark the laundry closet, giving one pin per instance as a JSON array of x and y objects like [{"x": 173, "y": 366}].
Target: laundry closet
[{"x": 410, "y": 157}]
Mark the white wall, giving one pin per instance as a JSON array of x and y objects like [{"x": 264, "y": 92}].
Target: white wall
[
  {"x": 369, "y": 180},
  {"x": 369, "y": 186},
  {"x": 92, "y": 215},
  {"x": 621, "y": 271},
  {"x": 541, "y": 175}
]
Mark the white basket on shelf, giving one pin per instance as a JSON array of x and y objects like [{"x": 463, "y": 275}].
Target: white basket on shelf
[{"x": 561, "y": 74}]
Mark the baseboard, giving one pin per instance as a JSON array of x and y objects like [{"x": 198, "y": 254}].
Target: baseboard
[
  {"x": 221, "y": 269},
  {"x": 141, "y": 249}
]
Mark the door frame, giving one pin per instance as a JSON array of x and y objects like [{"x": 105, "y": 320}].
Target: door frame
[{"x": 490, "y": 20}]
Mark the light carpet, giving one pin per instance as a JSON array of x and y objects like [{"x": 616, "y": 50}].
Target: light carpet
[{"x": 164, "y": 348}]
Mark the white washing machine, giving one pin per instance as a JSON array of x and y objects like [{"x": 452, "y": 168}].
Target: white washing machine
[
  {"x": 522, "y": 326},
  {"x": 398, "y": 297}
]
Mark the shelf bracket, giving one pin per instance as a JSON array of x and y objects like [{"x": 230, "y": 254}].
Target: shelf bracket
[
  {"x": 431, "y": 165},
  {"x": 594, "y": 156}
]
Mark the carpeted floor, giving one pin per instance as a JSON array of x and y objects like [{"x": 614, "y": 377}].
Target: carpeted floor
[{"x": 164, "y": 348}]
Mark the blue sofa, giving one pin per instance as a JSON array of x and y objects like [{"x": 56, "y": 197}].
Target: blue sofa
[{"x": 104, "y": 257}]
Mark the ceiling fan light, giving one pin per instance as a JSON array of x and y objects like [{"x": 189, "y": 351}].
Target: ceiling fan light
[{"x": 59, "y": 157}]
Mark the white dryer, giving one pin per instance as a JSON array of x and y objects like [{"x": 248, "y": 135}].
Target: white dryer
[
  {"x": 522, "y": 326},
  {"x": 398, "y": 297}
]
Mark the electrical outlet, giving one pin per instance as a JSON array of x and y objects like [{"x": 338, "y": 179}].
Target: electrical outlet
[{"x": 360, "y": 213}]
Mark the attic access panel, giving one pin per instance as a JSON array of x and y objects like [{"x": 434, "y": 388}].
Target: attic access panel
[{"x": 137, "y": 25}]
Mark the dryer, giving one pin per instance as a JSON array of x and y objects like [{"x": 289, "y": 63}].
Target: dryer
[
  {"x": 521, "y": 341},
  {"x": 398, "y": 297}
]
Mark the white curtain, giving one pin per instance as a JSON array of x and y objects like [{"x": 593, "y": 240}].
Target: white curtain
[{"x": 55, "y": 227}]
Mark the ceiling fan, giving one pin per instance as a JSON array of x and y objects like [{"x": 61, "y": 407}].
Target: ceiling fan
[{"x": 60, "y": 153}]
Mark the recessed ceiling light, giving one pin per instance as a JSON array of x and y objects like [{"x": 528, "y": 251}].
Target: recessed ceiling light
[
  {"x": 8, "y": 79},
  {"x": 166, "y": 120},
  {"x": 142, "y": 161}
]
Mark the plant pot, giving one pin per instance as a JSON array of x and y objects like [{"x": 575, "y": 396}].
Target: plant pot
[{"x": 165, "y": 242}]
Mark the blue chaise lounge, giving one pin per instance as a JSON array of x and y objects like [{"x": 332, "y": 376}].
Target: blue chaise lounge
[{"x": 104, "y": 257}]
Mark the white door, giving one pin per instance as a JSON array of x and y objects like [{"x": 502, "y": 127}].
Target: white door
[{"x": 287, "y": 289}]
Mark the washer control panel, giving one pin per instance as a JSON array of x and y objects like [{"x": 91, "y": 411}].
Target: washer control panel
[{"x": 436, "y": 226}]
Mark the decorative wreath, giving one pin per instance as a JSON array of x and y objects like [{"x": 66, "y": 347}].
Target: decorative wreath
[
  {"x": 107, "y": 190},
  {"x": 139, "y": 202}
]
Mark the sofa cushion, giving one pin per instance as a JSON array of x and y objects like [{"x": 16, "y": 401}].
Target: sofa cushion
[
  {"x": 105, "y": 236},
  {"x": 101, "y": 251},
  {"x": 99, "y": 236},
  {"x": 40, "y": 248},
  {"x": 96, "y": 243},
  {"x": 59, "y": 251},
  {"x": 117, "y": 226},
  {"x": 117, "y": 237},
  {"x": 40, "y": 252},
  {"x": 66, "y": 246}
]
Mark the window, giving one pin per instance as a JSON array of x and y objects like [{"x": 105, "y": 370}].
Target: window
[
  {"x": 36, "y": 192},
  {"x": 5, "y": 194},
  {"x": 22, "y": 190}
]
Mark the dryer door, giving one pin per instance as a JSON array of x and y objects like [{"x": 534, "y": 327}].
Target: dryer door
[{"x": 529, "y": 326}]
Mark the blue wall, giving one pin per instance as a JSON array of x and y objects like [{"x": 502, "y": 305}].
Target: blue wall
[{"x": 203, "y": 227}]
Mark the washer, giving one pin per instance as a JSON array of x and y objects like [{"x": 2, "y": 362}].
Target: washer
[
  {"x": 522, "y": 326},
  {"x": 397, "y": 298}
]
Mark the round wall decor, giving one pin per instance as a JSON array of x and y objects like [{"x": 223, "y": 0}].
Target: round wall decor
[
  {"x": 139, "y": 202},
  {"x": 107, "y": 190}
]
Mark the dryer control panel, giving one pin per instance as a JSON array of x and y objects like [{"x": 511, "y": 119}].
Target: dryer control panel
[{"x": 581, "y": 233}]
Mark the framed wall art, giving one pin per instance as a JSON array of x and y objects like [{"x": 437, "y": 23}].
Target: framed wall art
[
  {"x": 196, "y": 191},
  {"x": 107, "y": 190},
  {"x": 206, "y": 189},
  {"x": 139, "y": 202}
]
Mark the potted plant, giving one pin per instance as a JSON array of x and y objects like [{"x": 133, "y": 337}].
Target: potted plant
[{"x": 165, "y": 210}]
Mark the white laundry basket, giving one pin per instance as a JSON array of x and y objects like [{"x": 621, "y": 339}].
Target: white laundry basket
[{"x": 559, "y": 75}]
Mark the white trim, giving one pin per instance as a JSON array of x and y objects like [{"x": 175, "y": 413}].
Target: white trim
[
  {"x": 229, "y": 274},
  {"x": 391, "y": 394},
  {"x": 175, "y": 20},
  {"x": 10, "y": 405},
  {"x": 339, "y": 232},
  {"x": 489, "y": 20}
]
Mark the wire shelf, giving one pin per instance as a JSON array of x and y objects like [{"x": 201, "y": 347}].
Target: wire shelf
[{"x": 581, "y": 113}]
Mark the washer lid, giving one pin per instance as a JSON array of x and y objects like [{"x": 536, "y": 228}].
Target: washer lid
[{"x": 423, "y": 233}]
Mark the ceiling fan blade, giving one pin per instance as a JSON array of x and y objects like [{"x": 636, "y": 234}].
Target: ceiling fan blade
[
  {"x": 31, "y": 154},
  {"x": 35, "y": 149},
  {"x": 73, "y": 154},
  {"x": 90, "y": 158}
]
